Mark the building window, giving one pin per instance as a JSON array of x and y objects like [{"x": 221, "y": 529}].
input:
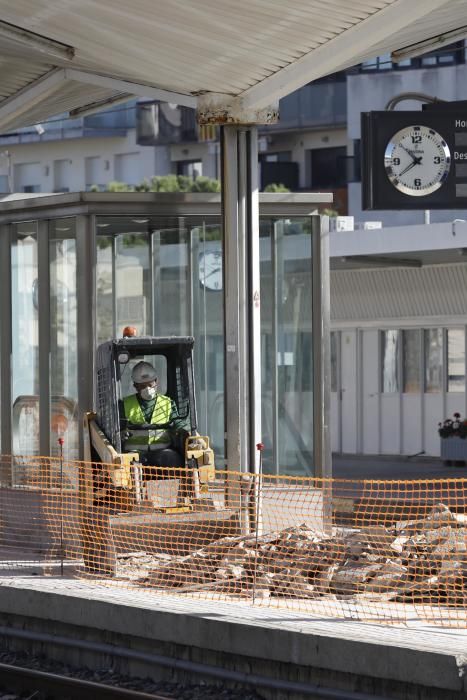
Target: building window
[
  {"x": 382, "y": 62},
  {"x": 31, "y": 188},
  {"x": 433, "y": 342},
  {"x": 446, "y": 56},
  {"x": 411, "y": 361},
  {"x": 390, "y": 361},
  {"x": 456, "y": 360},
  {"x": 190, "y": 168},
  {"x": 328, "y": 167}
]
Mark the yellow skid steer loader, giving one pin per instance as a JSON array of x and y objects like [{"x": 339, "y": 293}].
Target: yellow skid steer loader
[{"x": 114, "y": 480}]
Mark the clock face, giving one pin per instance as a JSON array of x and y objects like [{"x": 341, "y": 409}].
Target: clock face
[
  {"x": 417, "y": 160},
  {"x": 210, "y": 270}
]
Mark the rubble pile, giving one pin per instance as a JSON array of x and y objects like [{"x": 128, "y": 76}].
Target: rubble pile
[{"x": 417, "y": 561}]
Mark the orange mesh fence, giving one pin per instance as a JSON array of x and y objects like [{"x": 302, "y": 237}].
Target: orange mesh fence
[{"x": 389, "y": 551}]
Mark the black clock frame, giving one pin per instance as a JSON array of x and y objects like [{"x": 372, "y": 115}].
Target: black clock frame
[{"x": 378, "y": 128}]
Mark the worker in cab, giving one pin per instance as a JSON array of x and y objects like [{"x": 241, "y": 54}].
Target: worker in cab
[{"x": 157, "y": 445}]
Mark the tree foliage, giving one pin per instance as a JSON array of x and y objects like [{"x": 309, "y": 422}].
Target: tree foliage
[
  {"x": 272, "y": 187},
  {"x": 176, "y": 183}
]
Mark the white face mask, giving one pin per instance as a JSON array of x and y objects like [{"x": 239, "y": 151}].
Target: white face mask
[{"x": 148, "y": 393}]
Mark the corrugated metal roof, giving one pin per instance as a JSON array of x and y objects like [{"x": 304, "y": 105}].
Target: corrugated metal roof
[
  {"x": 15, "y": 74},
  {"x": 395, "y": 293},
  {"x": 260, "y": 49}
]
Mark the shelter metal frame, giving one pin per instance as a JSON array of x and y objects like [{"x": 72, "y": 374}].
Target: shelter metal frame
[{"x": 84, "y": 207}]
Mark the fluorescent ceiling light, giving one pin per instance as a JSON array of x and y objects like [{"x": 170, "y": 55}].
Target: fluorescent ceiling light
[
  {"x": 94, "y": 107},
  {"x": 23, "y": 38},
  {"x": 431, "y": 44}
]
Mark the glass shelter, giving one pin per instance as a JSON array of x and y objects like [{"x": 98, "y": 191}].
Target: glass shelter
[{"x": 77, "y": 268}]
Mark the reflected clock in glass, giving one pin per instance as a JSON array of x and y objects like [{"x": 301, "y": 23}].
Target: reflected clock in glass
[
  {"x": 417, "y": 160},
  {"x": 210, "y": 270}
]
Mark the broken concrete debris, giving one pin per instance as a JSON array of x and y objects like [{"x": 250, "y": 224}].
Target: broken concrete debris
[{"x": 416, "y": 561}]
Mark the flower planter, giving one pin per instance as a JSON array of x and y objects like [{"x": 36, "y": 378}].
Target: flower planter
[{"x": 454, "y": 449}]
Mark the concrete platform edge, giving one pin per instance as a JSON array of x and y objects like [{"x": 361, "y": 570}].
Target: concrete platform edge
[{"x": 259, "y": 638}]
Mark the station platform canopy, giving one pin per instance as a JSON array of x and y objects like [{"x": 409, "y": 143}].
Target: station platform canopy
[{"x": 59, "y": 56}]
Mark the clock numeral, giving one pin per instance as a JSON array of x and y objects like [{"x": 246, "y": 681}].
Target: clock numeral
[
  {"x": 417, "y": 182},
  {"x": 396, "y": 161},
  {"x": 437, "y": 160},
  {"x": 417, "y": 138}
]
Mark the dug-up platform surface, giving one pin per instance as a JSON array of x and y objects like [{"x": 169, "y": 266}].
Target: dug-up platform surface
[{"x": 414, "y": 661}]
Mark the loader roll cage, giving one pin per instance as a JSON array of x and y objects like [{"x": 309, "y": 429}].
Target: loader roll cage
[{"x": 114, "y": 360}]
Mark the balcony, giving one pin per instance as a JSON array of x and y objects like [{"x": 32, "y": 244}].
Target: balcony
[
  {"x": 318, "y": 104},
  {"x": 112, "y": 122}
]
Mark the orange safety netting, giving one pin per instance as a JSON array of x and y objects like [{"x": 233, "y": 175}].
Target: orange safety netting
[{"x": 389, "y": 551}]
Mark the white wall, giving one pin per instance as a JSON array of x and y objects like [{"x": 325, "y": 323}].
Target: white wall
[
  {"x": 299, "y": 143},
  {"x": 70, "y": 163}
]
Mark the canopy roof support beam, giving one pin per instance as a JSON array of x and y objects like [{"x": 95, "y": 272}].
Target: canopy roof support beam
[{"x": 133, "y": 89}]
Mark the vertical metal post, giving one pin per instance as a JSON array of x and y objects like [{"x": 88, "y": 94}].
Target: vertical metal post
[
  {"x": 86, "y": 314},
  {"x": 181, "y": 248},
  {"x": 321, "y": 346},
  {"x": 243, "y": 293},
  {"x": 43, "y": 268},
  {"x": 421, "y": 345},
  {"x": 277, "y": 265},
  {"x": 253, "y": 307},
  {"x": 156, "y": 286},
  {"x": 234, "y": 441},
  {"x": 114, "y": 287},
  {"x": 5, "y": 350},
  {"x": 241, "y": 297}
]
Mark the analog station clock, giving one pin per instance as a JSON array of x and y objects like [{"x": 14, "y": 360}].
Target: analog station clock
[
  {"x": 210, "y": 270},
  {"x": 417, "y": 160}
]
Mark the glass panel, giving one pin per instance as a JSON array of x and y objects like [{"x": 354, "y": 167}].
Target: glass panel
[
  {"x": 433, "y": 360},
  {"x": 25, "y": 342},
  {"x": 334, "y": 356},
  {"x": 286, "y": 319},
  {"x": 170, "y": 274},
  {"x": 132, "y": 282},
  {"x": 207, "y": 323},
  {"x": 163, "y": 275},
  {"x": 64, "y": 419},
  {"x": 411, "y": 361},
  {"x": 104, "y": 287},
  {"x": 390, "y": 361},
  {"x": 183, "y": 285},
  {"x": 456, "y": 359}
]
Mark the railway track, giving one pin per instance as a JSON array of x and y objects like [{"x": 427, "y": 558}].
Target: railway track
[{"x": 51, "y": 685}]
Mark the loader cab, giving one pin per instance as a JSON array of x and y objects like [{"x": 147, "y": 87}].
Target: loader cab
[{"x": 172, "y": 358}]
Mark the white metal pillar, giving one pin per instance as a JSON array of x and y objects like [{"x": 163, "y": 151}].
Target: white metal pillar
[
  {"x": 241, "y": 288},
  {"x": 239, "y": 149}
]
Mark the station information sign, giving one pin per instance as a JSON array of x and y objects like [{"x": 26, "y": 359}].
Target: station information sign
[{"x": 415, "y": 160}]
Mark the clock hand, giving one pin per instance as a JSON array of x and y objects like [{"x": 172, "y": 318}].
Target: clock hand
[
  {"x": 212, "y": 272},
  {"x": 409, "y": 167},
  {"x": 411, "y": 153}
]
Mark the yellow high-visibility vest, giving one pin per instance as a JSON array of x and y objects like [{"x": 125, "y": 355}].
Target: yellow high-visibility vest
[{"x": 141, "y": 439}]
